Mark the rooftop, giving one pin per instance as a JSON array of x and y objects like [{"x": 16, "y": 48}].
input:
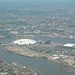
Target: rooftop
[{"x": 24, "y": 41}]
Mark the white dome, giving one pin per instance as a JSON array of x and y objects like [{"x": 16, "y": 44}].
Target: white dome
[{"x": 24, "y": 41}]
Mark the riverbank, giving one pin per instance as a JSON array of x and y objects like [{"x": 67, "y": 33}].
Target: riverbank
[
  {"x": 24, "y": 51},
  {"x": 15, "y": 69},
  {"x": 44, "y": 67},
  {"x": 31, "y": 54},
  {"x": 28, "y": 53}
]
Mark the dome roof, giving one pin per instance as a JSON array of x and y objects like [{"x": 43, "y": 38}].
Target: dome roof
[{"x": 24, "y": 41}]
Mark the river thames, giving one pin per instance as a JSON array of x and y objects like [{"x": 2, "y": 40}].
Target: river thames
[{"x": 44, "y": 67}]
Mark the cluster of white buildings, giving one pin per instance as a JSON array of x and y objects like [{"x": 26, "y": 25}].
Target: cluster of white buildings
[{"x": 57, "y": 56}]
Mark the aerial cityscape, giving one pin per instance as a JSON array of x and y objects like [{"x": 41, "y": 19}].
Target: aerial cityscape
[{"x": 37, "y": 37}]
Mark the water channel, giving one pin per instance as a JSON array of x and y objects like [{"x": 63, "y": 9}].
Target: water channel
[{"x": 44, "y": 67}]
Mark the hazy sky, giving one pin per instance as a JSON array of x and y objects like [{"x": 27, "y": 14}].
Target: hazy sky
[{"x": 38, "y": 2}]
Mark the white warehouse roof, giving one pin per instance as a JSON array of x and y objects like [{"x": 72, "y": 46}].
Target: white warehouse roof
[
  {"x": 69, "y": 45},
  {"x": 24, "y": 41}
]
